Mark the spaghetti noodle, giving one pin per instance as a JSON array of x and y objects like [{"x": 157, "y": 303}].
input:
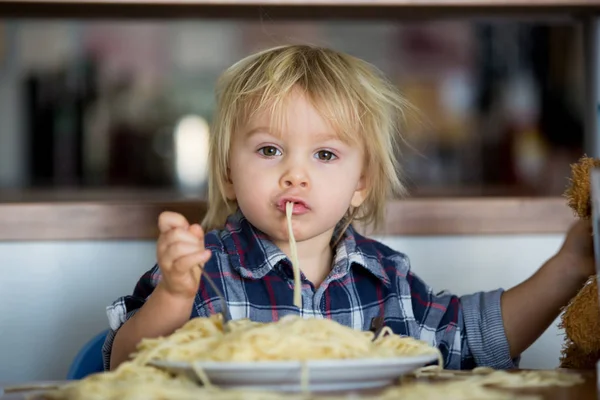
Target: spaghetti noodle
[
  {"x": 142, "y": 387},
  {"x": 289, "y": 208},
  {"x": 291, "y": 338},
  {"x": 486, "y": 376}
]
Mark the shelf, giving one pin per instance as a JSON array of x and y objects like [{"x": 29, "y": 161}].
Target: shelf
[
  {"x": 292, "y": 9},
  {"x": 129, "y": 219},
  {"x": 477, "y": 216},
  {"x": 419, "y": 3}
]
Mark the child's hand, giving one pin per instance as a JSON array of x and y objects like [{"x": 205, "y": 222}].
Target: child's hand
[
  {"x": 180, "y": 252},
  {"x": 578, "y": 249}
]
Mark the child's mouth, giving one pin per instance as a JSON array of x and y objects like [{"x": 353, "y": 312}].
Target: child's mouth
[{"x": 300, "y": 207}]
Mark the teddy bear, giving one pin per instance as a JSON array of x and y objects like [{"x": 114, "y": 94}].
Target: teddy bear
[{"x": 580, "y": 319}]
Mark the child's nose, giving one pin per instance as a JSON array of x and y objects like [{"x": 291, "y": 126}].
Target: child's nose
[{"x": 295, "y": 178}]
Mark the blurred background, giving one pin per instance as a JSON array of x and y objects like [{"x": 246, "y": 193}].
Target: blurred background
[
  {"x": 120, "y": 109},
  {"x": 125, "y": 106}
]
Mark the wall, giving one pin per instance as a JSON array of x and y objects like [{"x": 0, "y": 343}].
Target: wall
[{"x": 53, "y": 294}]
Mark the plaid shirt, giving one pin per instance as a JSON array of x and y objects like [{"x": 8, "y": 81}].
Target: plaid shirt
[{"x": 367, "y": 280}]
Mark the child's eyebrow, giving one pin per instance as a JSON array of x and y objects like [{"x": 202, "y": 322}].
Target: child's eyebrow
[
  {"x": 260, "y": 129},
  {"x": 328, "y": 136},
  {"x": 321, "y": 136}
]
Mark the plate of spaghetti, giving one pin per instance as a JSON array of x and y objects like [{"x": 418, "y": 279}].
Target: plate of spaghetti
[{"x": 291, "y": 354}]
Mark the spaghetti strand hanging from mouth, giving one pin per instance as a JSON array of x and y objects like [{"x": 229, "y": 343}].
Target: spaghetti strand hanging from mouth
[{"x": 289, "y": 209}]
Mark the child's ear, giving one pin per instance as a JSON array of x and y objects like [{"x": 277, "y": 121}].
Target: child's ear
[
  {"x": 229, "y": 190},
  {"x": 360, "y": 194}
]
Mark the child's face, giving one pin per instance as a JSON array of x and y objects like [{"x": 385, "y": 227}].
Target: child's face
[{"x": 305, "y": 163}]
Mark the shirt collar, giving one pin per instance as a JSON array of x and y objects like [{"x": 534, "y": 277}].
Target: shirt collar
[{"x": 254, "y": 255}]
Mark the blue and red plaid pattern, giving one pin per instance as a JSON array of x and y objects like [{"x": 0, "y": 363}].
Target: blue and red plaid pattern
[{"x": 367, "y": 279}]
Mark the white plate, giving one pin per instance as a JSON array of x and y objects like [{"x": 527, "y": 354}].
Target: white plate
[{"x": 323, "y": 375}]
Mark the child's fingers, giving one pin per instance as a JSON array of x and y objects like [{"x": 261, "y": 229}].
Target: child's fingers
[
  {"x": 175, "y": 236},
  {"x": 178, "y": 250},
  {"x": 168, "y": 220},
  {"x": 191, "y": 261},
  {"x": 196, "y": 272},
  {"x": 197, "y": 231}
]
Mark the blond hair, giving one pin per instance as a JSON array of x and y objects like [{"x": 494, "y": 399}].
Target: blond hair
[{"x": 349, "y": 93}]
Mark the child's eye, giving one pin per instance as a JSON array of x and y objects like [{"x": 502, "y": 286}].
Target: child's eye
[
  {"x": 325, "y": 155},
  {"x": 269, "y": 151}
]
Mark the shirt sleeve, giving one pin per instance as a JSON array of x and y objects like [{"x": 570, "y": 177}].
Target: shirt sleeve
[
  {"x": 125, "y": 307},
  {"x": 484, "y": 330},
  {"x": 468, "y": 330}
]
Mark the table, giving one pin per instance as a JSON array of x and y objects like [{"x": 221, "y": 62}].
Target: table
[
  {"x": 22, "y": 395},
  {"x": 588, "y": 390},
  {"x": 585, "y": 391}
]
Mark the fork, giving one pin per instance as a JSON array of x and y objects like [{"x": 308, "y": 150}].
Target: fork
[
  {"x": 224, "y": 308},
  {"x": 377, "y": 325}
]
